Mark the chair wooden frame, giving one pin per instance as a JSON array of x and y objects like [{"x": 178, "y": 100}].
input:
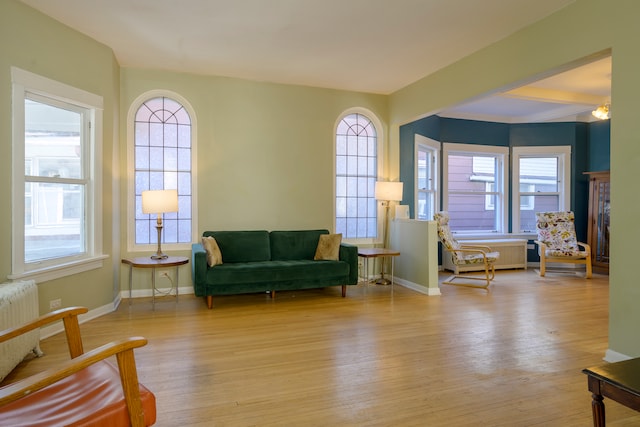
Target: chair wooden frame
[
  {"x": 464, "y": 255},
  {"x": 558, "y": 228},
  {"x": 542, "y": 249},
  {"x": 121, "y": 349},
  {"x": 489, "y": 267}
]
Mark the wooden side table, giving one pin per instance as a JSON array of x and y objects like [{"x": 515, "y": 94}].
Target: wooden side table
[
  {"x": 147, "y": 262},
  {"x": 367, "y": 253},
  {"x": 618, "y": 381}
]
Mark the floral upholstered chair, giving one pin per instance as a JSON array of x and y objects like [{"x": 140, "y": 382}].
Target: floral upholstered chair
[
  {"x": 462, "y": 255},
  {"x": 557, "y": 241}
]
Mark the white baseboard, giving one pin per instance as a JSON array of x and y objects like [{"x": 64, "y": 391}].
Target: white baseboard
[
  {"x": 613, "y": 356},
  {"x": 418, "y": 288},
  {"x": 47, "y": 331},
  {"x": 58, "y": 327}
]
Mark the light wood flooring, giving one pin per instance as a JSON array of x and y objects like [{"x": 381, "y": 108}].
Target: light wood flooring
[{"x": 379, "y": 357}]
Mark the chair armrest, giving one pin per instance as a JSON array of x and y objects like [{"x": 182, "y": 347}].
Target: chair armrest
[
  {"x": 586, "y": 247},
  {"x": 349, "y": 254},
  {"x": 122, "y": 349},
  {"x": 473, "y": 251},
  {"x": 542, "y": 248},
  {"x": 480, "y": 247},
  {"x": 69, "y": 317}
]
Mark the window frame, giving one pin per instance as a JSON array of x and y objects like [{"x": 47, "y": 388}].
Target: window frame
[
  {"x": 377, "y": 124},
  {"x": 132, "y": 246},
  {"x": 26, "y": 85},
  {"x": 501, "y": 193},
  {"x": 422, "y": 143},
  {"x": 563, "y": 154}
]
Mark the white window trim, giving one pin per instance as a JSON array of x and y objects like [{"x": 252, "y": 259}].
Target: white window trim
[
  {"x": 22, "y": 82},
  {"x": 422, "y": 143},
  {"x": 563, "y": 152},
  {"x": 131, "y": 115},
  {"x": 502, "y": 153},
  {"x": 380, "y": 159}
]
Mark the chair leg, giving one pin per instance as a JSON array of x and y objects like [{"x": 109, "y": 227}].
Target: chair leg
[
  {"x": 589, "y": 271},
  {"x": 489, "y": 274},
  {"x": 543, "y": 266}
]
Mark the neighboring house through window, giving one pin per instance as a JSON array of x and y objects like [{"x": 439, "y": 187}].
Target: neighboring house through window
[
  {"x": 57, "y": 193},
  {"x": 357, "y": 157},
  {"x": 474, "y": 187},
  {"x": 542, "y": 177},
  {"x": 163, "y": 153}
]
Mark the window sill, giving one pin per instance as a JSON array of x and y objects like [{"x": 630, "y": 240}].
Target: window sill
[{"x": 59, "y": 271}]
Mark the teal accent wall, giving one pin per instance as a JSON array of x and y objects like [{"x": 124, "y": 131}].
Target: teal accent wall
[
  {"x": 600, "y": 146},
  {"x": 589, "y": 143}
]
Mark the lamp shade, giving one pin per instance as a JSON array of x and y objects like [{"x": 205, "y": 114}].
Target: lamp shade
[
  {"x": 159, "y": 201},
  {"x": 389, "y": 191}
]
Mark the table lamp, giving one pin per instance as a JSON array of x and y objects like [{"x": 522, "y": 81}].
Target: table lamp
[{"x": 159, "y": 202}]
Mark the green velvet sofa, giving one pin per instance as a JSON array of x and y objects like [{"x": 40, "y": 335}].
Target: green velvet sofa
[{"x": 259, "y": 261}]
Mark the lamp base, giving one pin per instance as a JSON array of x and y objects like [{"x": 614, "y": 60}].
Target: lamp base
[
  {"x": 159, "y": 256},
  {"x": 383, "y": 281}
]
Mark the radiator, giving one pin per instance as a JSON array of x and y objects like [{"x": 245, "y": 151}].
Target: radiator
[
  {"x": 18, "y": 304},
  {"x": 513, "y": 254}
]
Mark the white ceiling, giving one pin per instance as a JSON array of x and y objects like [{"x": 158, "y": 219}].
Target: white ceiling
[{"x": 375, "y": 46}]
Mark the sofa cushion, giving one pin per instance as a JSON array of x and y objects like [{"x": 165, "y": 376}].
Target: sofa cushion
[
  {"x": 328, "y": 247},
  {"x": 290, "y": 245},
  {"x": 276, "y": 271},
  {"x": 242, "y": 246},
  {"x": 214, "y": 256}
]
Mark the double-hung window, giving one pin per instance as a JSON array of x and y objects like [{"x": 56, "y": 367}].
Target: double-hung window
[
  {"x": 541, "y": 183},
  {"x": 57, "y": 220},
  {"x": 474, "y": 187},
  {"x": 356, "y": 175},
  {"x": 426, "y": 177}
]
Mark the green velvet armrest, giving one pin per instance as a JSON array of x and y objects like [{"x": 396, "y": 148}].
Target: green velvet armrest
[
  {"x": 349, "y": 253},
  {"x": 198, "y": 266}
]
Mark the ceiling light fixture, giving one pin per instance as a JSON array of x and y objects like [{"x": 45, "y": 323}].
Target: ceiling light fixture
[{"x": 602, "y": 112}]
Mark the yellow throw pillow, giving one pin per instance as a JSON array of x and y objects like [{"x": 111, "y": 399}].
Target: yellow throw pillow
[
  {"x": 328, "y": 247},
  {"x": 214, "y": 256}
]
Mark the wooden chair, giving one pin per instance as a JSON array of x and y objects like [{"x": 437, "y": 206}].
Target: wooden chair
[
  {"x": 86, "y": 390},
  {"x": 557, "y": 241},
  {"x": 463, "y": 255}
]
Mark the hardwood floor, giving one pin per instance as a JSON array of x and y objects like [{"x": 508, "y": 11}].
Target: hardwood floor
[{"x": 508, "y": 357}]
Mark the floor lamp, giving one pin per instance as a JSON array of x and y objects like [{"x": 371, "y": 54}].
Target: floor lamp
[
  {"x": 387, "y": 192},
  {"x": 159, "y": 202}
]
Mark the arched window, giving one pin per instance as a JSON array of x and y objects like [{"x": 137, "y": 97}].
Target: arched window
[
  {"x": 163, "y": 161},
  {"x": 356, "y": 174}
]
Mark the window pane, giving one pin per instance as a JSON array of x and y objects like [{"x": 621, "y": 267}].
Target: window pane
[
  {"x": 356, "y": 173},
  {"x": 164, "y": 125},
  {"x": 52, "y": 141},
  {"x": 540, "y": 172},
  {"x": 55, "y": 221},
  {"x": 544, "y": 203},
  {"x": 467, "y": 213}
]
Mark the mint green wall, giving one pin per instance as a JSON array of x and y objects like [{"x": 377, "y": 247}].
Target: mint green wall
[
  {"x": 265, "y": 152},
  {"x": 36, "y": 43},
  {"x": 550, "y": 44}
]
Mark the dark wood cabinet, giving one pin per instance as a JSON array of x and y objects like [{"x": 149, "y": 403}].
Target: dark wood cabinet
[{"x": 598, "y": 229}]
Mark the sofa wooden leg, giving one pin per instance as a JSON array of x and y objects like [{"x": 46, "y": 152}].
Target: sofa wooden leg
[
  {"x": 273, "y": 294},
  {"x": 209, "y": 301},
  {"x": 344, "y": 291}
]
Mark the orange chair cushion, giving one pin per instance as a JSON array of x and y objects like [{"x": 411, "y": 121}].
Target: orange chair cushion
[{"x": 91, "y": 397}]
